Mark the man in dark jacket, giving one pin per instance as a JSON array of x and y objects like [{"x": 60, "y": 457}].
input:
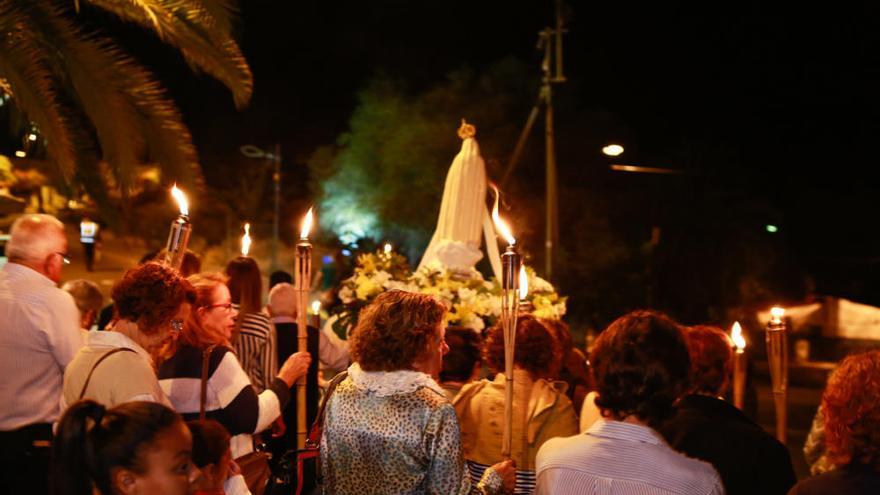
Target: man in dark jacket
[{"x": 706, "y": 427}]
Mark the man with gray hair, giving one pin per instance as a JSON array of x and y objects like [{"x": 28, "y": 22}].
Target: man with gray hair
[
  {"x": 88, "y": 298},
  {"x": 39, "y": 335},
  {"x": 330, "y": 349}
]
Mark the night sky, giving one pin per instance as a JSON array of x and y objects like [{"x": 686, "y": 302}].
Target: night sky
[
  {"x": 767, "y": 103},
  {"x": 764, "y": 103}
]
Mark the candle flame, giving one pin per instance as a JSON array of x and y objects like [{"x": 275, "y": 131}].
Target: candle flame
[
  {"x": 523, "y": 283},
  {"x": 736, "y": 334},
  {"x": 182, "y": 203},
  {"x": 387, "y": 248},
  {"x": 246, "y": 240},
  {"x": 499, "y": 224},
  {"x": 776, "y": 314},
  {"x": 306, "y": 225},
  {"x": 316, "y": 307}
]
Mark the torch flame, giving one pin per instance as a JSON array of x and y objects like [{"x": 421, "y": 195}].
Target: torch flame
[
  {"x": 182, "y": 203},
  {"x": 306, "y": 225},
  {"x": 316, "y": 307},
  {"x": 736, "y": 334},
  {"x": 499, "y": 224},
  {"x": 776, "y": 314},
  {"x": 523, "y": 283},
  {"x": 246, "y": 240}
]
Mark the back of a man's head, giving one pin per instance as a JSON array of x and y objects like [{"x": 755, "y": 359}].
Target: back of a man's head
[
  {"x": 464, "y": 354},
  {"x": 34, "y": 237},
  {"x": 86, "y": 294},
  {"x": 641, "y": 366},
  {"x": 710, "y": 352},
  {"x": 282, "y": 300}
]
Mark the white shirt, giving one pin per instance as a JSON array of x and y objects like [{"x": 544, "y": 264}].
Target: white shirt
[
  {"x": 39, "y": 335},
  {"x": 122, "y": 377},
  {"x": 617, "y": 458}
]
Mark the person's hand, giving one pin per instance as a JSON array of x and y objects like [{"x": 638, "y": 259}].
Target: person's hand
[
  {"x": 295, "y": 367},
  {"x": 507, "y": 470},
  {"x": 278, "y": 427},
  {"x": 234, "y": 469}
]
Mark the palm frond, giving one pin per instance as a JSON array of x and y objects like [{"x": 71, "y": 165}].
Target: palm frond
[
  {"x": 35, "y": 89},
  {"x": 88, "y": 63},
  {"x": 199, "y": 30}
]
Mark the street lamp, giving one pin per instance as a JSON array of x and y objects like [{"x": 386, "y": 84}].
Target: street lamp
[
  {"x": 612, "y": 150},
  {"x": 252, "y": 151}
]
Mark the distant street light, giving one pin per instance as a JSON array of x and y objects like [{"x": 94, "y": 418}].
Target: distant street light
[
  {"x": 772, "y": 228},
  {"x": 252, "y": 151},
  {"x": 20, "y": 154},
  {"x": 612, "y": 150}
]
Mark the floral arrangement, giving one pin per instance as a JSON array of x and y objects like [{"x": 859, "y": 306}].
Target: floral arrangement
[{"x": 473, "y": 301}]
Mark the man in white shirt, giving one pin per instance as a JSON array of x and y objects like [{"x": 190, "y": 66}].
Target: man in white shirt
[
  {"x": 39, "y": 335},
  {"x": 641, "y": 366}
]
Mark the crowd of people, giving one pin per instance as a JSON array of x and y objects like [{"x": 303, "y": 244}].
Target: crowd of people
[{"x": 192, "y": 370}]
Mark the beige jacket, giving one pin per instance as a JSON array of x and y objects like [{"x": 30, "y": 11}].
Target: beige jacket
[{"x": 541, "y": 411}]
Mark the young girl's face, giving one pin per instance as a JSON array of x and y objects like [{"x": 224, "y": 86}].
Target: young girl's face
[{"x": 168, "y": 465}]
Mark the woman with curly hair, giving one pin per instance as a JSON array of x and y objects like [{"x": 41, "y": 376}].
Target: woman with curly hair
[
  {"x": 541, "y": 410},
  {"x": 388, "y": 426},
  {"x": 851, "y": 408},
  {"x": 230, "y": 398},
  {"x": 151, "y": 304}
]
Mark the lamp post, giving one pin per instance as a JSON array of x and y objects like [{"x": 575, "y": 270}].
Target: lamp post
[{"x": 252, "y": 151}]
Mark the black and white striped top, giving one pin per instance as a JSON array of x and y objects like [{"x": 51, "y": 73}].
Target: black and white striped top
[
  {"x": 230, "y": 399},
  {"x": 255, "y": 348}
]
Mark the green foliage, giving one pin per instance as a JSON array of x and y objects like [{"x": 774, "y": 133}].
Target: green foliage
[{"x": 385, "y": 176}]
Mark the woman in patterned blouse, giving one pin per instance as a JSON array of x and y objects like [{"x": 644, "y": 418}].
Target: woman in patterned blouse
[{"x": 388, "y": 425}]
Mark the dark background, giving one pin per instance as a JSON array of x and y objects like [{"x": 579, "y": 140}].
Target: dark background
[{"x": 769, "y": 108}]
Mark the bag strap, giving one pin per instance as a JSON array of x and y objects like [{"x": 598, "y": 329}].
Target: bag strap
[
  {"x": 206, "y": 361},
  {"x": 318, "y": 426},
  {"x": 107, "y": 354}
]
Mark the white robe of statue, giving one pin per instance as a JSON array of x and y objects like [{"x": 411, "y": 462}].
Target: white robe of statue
[{"x": 463, "y": 213}]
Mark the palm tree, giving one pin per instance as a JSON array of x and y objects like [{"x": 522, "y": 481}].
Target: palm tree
[{"x": 93, "y": 103}]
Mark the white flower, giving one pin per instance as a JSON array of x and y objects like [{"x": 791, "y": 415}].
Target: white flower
[
  {"x": 466, "y": 295},
  {"x": 346, "y": 294},
  {"x": 381, "y": 277},
  {"x": 538, "y": 284}
]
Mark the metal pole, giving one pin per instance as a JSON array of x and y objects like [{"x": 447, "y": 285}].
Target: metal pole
[
  {"x": 276, "y": 178},
  {"x": 552, "y": 227}
]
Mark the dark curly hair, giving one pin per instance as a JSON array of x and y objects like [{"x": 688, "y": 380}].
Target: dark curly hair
[
  {"x": 711, "y": 354},
  {"x": 464, "y": 353},
  {"x": 536, "y": 349},
  {"x": 851, "y": 405},
  {"x": 150, "y": 295},
  {"x": 641, "y": 366},
  {"x": 394, "y": 330}
]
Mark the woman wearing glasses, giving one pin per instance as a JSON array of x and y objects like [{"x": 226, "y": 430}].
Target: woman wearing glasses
[
  {"x": 229, "y": 396},
  {"x": 117, "y": 365}
]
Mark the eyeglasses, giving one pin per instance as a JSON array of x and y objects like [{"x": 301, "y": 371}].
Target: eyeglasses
[
  {"x": 65, "y": 258},
  {"x": 176, "y": 326},
  {"x": 225, "y": 306}
]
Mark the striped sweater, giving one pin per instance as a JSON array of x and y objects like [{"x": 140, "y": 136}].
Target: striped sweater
[
  {"x": 255, "y": 348},
  {"x": 230, "y": 399}
]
